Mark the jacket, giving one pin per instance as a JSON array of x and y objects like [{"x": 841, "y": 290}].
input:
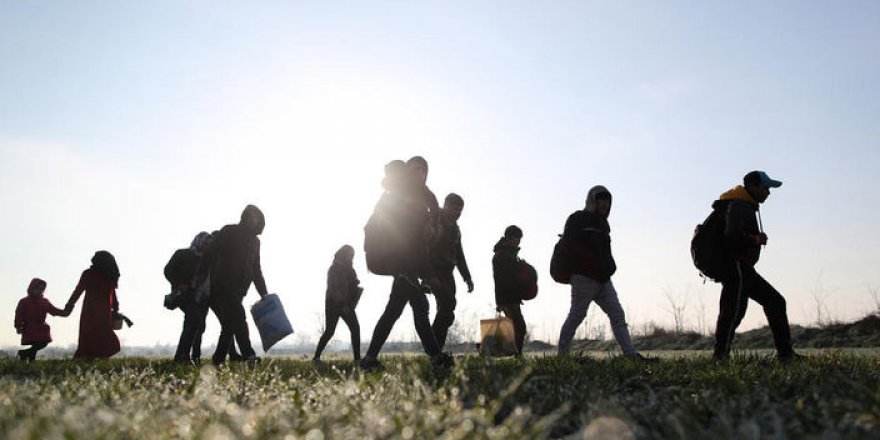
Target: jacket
[
  {"x": 447, "y": 253},
  {"x": 234, "y": 261},
  {"x": 30, "y": 319},
  {"x": 506, "y": 270},
  {"x": 590, "y": 236},
  {"x": 343, "y": 290},
  {"x": 740, "y": 225}
]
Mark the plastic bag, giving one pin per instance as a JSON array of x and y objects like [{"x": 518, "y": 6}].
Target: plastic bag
[
  {"x": 497, "y": 337},
  {"x": 271, "y": 321}
]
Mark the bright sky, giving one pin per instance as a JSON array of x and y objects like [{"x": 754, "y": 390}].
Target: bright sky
[{"x": 132, "y": 126}]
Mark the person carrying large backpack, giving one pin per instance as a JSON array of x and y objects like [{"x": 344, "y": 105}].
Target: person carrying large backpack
[
  {"x": 592, "y": 266},
  {"x": 181, "y": 273},
  {"x": 396, "y": 244},
  {"x": 507, "y": 274},
  {"x": 742, "y": 241}
]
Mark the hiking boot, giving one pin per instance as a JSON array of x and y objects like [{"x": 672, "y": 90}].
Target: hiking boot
[
  {"x": 252, "y": 359},
  {"x": 443, "y": 360},
  {"x": 370, "y": 364},
  {"x": 22, "y": 355},
  {"x": 317, "y": 362}
]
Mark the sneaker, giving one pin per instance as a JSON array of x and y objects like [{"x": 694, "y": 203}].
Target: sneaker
[
  {"x": 368, "y": 364},
  {"x": 443, "y": 360},
  {"x": 252, "y": 359}
]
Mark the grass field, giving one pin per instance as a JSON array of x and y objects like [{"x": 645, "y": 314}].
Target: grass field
[{"x": 828, "y": 395}]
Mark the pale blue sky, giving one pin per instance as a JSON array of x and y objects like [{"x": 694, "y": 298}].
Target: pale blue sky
[{"x": 131, "y": 127}]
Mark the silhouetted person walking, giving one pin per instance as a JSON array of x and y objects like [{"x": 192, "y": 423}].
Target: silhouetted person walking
[
  {"x": 30, "y": 320},
  {"x": 234, "y": 263},
  {"x": 96, "y": 336},
  {"x": 592, "y": 268},
  {"x": 399, "y": 231},
  {"x": 343, "y": 293},
  {"x": 743, "y": 238},
  {"x": 446, "y": 255},
  {"x": 507, "y": 270},
  {"x": 181, "y": 272}
]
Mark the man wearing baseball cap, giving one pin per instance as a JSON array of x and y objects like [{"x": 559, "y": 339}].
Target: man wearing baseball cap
[{"x": 743, "y": 239}]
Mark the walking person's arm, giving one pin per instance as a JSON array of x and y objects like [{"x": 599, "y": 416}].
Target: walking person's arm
[
  {"x": 462, "y": 265},
  {"x": 259, "y": 281},
  {"x": 19, "y": 318},
  {"x": 77, "y": 292}
]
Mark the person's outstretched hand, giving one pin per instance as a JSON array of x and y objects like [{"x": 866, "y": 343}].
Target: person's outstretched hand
[{"x": 470, "y": 285}]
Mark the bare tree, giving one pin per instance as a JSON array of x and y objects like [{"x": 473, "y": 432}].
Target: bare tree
[
  {"x": 875, "y": 297},
  {"x": 702, "y": 325},
  {"x": 820, "y": 296},
  {"x": 320, "y": 323},
  {"x": 676, "y": 306}
]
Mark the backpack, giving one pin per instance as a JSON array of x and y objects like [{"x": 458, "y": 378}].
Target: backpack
[
  {"x": 528, "y": 281},
  {"x": 560, "y": 262},
  {"x": 382, "y": 246},
  {"x": 708, "y": 249}
]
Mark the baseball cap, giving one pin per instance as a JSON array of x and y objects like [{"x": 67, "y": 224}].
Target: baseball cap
[{"x": 760, "y": 178}]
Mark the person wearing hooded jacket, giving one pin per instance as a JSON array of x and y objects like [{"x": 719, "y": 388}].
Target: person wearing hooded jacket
[
  {"x": 743, "y": 239},
  {"x": 506, "y": 270},
  {"x": 592, "y": 268},
  {"x": 343, "y": 294},
  {"x": 181, "y": 273},
  {"x": 30, "y": 320},
  {"x": 233, "y": 262}
]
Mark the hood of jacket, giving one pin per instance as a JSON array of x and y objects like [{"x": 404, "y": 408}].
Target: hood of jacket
[
  {"x": 503, "y": 247},
  {"x": 738, "y": 192},
  {"x": 591, "y": 198}
]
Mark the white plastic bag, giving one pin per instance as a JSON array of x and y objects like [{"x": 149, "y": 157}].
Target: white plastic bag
[{"x": 271, "y": 321}]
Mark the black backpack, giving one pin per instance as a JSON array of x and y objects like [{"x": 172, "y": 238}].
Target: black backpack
[
  {"x": 560, "y": 262},
  {"x": 708, "y": 249}
]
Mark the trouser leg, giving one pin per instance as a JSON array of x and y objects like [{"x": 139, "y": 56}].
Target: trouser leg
[
  {"x": 350, "y": 318},
  {"x": 240, "y": 328},
  {"x": 331, "y": 318},
  {"x": 610, "y": 304},
  {"x": 190, "y": 329},
  {"x": 731, "y": 310},
  {"x": 421, "y": 311},
  {"x": 202, "y": 309},
  {"x": 583, "y": 291},
  {"x": 32, "y": 352},
  {"x": 774, "y": 306},
  {"x": 396, "y": 302},
  {"x": 446, "y": 303},
  {"x": 224, "y": 341},
  {"x": 514, "y": 312}
]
